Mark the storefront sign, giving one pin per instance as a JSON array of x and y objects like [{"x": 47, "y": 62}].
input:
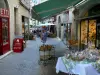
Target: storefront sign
[
  {"x": 18, "y": 45},
  {"x": 4, "y": 12}
]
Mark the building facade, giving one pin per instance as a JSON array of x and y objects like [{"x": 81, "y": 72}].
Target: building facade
[
  {"x": 4, "y": 27},
  {"x": 87, "y": 22},
  {"x": 83, "y": 24},
  {"x": 64, "y": 23},
  {"x": 16, "y": 14}
]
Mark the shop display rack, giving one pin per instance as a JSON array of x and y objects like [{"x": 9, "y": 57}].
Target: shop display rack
[{"x": 47, "y": 54}]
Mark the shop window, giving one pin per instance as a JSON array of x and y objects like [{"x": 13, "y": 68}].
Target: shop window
[
  {"x": 4, "y": 30},
  {"x": 92, "y": 31},
  {"x": 88, "y": 33},
  {"x": 84, "y": 34},
  {"x": 84, "y": 30}
]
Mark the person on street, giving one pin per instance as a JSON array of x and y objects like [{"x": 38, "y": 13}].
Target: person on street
[{"x": 44, "y": 36}]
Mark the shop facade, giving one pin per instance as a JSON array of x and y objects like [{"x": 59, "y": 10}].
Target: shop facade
[
  {"x": 64, "y": 25},
  {"x": 60, "y": 25},
  {"x": 4, "y": 27},
  {"x": 19, "y": 17},
  {"x": 14, "y": 15},
  {"x": 89, "y": 28}
]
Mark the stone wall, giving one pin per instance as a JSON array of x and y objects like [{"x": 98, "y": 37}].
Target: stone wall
[{"x": 21, "y": 11}]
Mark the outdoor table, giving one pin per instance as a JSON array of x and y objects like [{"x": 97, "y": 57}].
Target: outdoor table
[{"x": 79, "y": 68}]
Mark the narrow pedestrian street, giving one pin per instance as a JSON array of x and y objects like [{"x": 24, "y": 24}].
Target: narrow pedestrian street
[
  {"x": 26, "y": 63},
  {"x": 49, "y": 37}
]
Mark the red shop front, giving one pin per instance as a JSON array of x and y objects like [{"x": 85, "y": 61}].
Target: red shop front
[{"x": 4, "y": 31}]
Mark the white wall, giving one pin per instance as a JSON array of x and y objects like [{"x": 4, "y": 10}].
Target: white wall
[
  {"x": 73, "y": 26},
  {"x": 71, "y": 16},
  {"x": 58, "y": 24},
  {"x": 65, "y": 18},
  {"x": 21, "y": 11}
]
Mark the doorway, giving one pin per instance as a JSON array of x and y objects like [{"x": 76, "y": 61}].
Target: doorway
[
  {"x": 4, "y": 35},
  {"x": 98, "y": 34}
]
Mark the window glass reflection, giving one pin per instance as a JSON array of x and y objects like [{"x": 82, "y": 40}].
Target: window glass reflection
[{"x": 4, "y": 30}]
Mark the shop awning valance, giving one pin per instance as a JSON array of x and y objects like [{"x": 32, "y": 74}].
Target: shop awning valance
[{"x": 51, "y": 7}]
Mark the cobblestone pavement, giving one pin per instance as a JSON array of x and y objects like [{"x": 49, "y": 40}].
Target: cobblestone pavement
[{"x": 26, "y": 63}]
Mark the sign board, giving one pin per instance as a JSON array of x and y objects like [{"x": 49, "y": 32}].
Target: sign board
[
  {"x": 4, "y": 12},
  {"x": 18, "y": 45}
]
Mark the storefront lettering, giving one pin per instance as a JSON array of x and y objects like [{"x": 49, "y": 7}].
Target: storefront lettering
[
  {"x": 17, "y": 44},
  {"x": 4, "y": 12},
  {"x": 17, "y": 47}
]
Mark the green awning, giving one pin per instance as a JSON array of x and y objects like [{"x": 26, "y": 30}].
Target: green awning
[
  {"x": 83, "y": 8},
  {"x": 51, "y": 7}
]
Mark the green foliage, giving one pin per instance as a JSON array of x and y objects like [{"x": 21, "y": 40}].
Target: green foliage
[
  {"x": 53, "y": 35},
  {"x": 28, "y": 35}
]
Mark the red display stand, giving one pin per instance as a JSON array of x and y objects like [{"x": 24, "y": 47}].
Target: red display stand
[{"x": 18, "y": 45}]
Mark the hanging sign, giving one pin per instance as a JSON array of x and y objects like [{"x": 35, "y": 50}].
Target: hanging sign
[{"x": 4, "y": 12}]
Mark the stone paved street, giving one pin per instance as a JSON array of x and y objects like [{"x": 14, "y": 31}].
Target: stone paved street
[{"x": 26, "y": 63}]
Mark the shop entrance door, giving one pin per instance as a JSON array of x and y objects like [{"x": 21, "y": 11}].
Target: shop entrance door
[
  {"x": 5, "y": 35},
  {"x": 4, "y": 31}
]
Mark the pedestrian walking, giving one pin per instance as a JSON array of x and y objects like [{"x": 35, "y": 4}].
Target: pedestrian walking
[{"x": 44, "y": 36}]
